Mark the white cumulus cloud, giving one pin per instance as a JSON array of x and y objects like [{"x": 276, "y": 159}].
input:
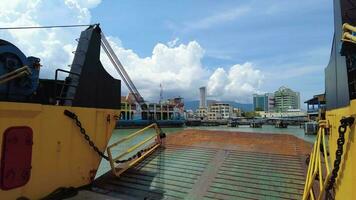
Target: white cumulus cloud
[
  {"x": 177, "y": 66},
  {"x": 53, "y": 46},
  {"x": 238, "y": 83}
]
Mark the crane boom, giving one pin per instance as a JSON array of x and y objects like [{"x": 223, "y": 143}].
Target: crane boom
[
  {"x": 125, "y": 77},
  {"x": 121, "y": 70}
]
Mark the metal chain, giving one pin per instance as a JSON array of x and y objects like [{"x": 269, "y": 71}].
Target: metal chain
[
  {"x": 83, "y": 132},
  {"x": 137, "y": 155},
  {"x": 95, "y": 148},
  {"x": 345, "y": 122},
  {"x": 161, "y": 133}
]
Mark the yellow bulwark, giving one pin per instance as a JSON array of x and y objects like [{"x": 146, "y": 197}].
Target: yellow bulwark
[
  {"x": 319, "y": 165},
  {"x": 61, "y": 157}
]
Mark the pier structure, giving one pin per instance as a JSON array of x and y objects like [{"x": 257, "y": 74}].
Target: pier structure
[
  {"x": 159, "y": 112},
  {"x": 316, "y": 107}
]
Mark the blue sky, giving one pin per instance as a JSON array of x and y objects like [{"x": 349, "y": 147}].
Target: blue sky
[
  {"x": 235, "y": 48},
  {"x": 288, "y": 40}
]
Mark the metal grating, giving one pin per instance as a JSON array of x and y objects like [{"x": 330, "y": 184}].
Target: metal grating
[
  {"x": 247, "y": 175},
  {"x": 186, "y": 172},
  {"x": 167, "y": 173}
]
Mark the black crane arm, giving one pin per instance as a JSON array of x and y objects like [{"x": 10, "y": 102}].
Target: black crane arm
[{"x": 121, "y": 70}]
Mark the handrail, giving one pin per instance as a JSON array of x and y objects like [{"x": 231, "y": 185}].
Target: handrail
[
  {"x": 14, "y": 74},
  {"x": 315, "y": 167},
  {"x": 349, "y": 32},
  {"x": 348, "y": 27},
  {"x": 117, "y": 170},
  {"x": 58, "y": 98}
]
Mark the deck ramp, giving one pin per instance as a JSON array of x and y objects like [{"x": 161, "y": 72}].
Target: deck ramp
[{"x": 187, "y": 172}]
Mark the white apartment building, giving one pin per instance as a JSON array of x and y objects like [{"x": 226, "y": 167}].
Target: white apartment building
[
  {"x": 202, "y": 113},
  {"x": 213, "y": 116},
  {"x": 222, "y": 110}
]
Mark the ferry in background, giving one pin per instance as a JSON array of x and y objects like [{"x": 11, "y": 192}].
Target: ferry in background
[{"x": 169, "y": 113}]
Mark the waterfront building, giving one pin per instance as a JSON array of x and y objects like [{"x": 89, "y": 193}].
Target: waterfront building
[
  {"x": 316, "y": 107},
  {"x": 189, "y": 114},
  {"x": 258, "y": 102},
  {"x": 128, "y": 107},
  {"x": 263, "y": 102},
  {"x": 201, "y": 113},
  {"x": 214, "y": 116},
  {"x": 170, "y": 109},
  {"x": 270, "y": 102},
  {"x": 286, "y": 99},
  {"x": 236, "y": 112},
  {"x": 224, "y": 110}
]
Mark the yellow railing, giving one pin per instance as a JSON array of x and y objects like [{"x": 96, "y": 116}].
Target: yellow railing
[
  {"x": 118, "y": 169},
  {"x": 318, "y": 166},
  {"x": 348, "y": 33}
]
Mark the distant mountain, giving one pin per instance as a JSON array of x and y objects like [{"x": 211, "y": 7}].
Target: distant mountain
[{"x": 193, "y": 105}]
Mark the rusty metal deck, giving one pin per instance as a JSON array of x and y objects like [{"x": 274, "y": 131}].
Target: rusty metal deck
[{"x": 191, "y": 172}]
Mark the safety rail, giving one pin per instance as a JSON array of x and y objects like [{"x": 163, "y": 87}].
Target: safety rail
[
  {"x": 15, "y": 74},
  {"x": 122, "y": 166},
  {"x": 318, "y": 166},
  {"x": 63, "y": 85},
  {"x": 349, "y": 33}
]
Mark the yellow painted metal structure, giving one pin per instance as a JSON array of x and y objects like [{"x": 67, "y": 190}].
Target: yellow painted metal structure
[
  {"x": 318, "y": 166},
  {"x": 346, "y": 181},
  {"x": 126, "y": 111},
  {"x": 60, "y": 155},
  {"x": 347, "y": 33},
  {"x": 117, "y": 170}
]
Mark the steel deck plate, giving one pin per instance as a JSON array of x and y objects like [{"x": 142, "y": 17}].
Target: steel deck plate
[{"x": 187, "y": 172}]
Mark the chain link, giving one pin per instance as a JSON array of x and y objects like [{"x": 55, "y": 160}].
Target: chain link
[
  {"x": 95, "y": 148},
  {"x": 345, "y": 122},
  {"x": 85, "y": 135},
  {"x": 137, "y": 155}
]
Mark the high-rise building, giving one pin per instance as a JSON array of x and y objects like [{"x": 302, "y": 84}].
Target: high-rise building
[
  {"x": 259, "y": 102},
  {"x": 202, "y": 102},
  {"x": 286, "y": 99},
  {"x": 270, "y": 104},
  {"x": 263, "y": 102}
]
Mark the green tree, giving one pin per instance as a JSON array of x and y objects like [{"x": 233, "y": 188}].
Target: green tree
[
  {"x": 258, "y": 109},
  {"x": 250, "y": 114}
]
